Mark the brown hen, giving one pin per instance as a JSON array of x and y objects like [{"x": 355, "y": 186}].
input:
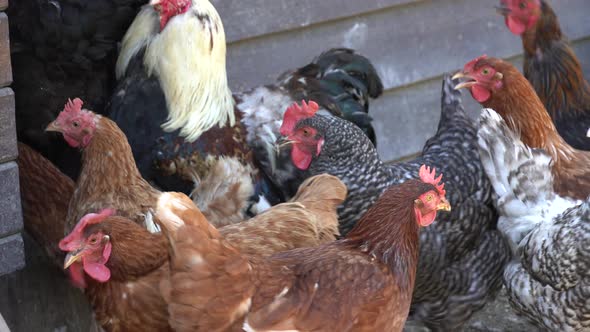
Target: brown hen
[
  {"x": 45, "y": 194},
  {"x": 363, "y": 282},
  {"x": 122, "y": 282},
  {"x": 498, "y": 85}
]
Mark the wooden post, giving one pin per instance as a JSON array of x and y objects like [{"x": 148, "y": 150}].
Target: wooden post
[{"x": 11, "y": 243}]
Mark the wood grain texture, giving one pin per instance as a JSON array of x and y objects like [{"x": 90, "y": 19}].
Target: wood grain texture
[
  {"x": 5, "y": 66},
  {"x": 245, "y": 19}
]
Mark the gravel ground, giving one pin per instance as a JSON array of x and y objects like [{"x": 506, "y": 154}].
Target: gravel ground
[{"x": 496, "y": 316}]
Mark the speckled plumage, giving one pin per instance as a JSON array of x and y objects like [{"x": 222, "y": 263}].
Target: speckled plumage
[
  {"x": 548, "y": 282},
  {"x": 462, "y": 255}
]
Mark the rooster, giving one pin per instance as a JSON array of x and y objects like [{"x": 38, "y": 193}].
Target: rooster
[
  {"x": 548, "y": 283},
  {"x": 498, "y": 85},
  {"x": 552, "y": 67},
  {"x": 213, "y": 286},
  {"x": 61, "y": 48},
  {"x": 463, "y": 255},
  {"x": 121, "y": 264},
  {"x": 175, "y": 106}
]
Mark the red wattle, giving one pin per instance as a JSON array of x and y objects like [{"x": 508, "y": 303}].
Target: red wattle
[{"x": 480, "y": 93}]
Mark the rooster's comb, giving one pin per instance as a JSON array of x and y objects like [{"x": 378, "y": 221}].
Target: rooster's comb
[
  {"x": 73, "y": 106},
  {"x": 470, "y": 66},
  {"x": 296, "y": 113},
  {"x": 428, "y": 176},
  {"x": 69, "y": 242}
]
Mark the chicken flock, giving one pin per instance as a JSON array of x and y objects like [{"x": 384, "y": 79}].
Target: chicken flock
[{"x": 176, "y": 204}]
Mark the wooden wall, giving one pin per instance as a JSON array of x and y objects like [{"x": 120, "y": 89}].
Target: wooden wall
[
  {"x": 412, "y": 43},
  {"x": 11, "y": 243}
]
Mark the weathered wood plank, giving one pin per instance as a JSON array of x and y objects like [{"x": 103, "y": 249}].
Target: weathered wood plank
[
  {"x": 405, "y": 118},
  {"x": 408, "y": 44},
  {"x": 3, "y": 4},
  {"x": 244, "y": 19},
  {"x": 5, "y": 67},
  {"x": 10, "y": 208},
  {"x": 8, "y": 150},
  {"x": 12, "y": 254}
]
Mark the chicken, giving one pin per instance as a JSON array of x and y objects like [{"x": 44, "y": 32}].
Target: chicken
[
  {"x": 174, "y": 104},
  {"x": 463, "y": 255},
  {"x": 45, "y": 194},
  {"x": 551, "y": 65},
  {"x": 498, "y": 85},
  {"x": 58, "y": 49},
  {"x": 362, "y": 282},
  {"x": 121, "y": 265},
  {"x": 109, "y": 176},
  {"x": 521, "y": 178},
  {"x": 548, "y": 282}
]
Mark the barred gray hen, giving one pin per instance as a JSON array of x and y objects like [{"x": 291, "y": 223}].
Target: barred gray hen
[
  {"x": 549, "y": 281},
  {"x": 462, "y": 256}
]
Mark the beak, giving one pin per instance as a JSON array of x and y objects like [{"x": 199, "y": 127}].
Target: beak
[
  {"x": 463, "y": 85},
  {"x": 503, "y": 10},
  {"x": 72, "y": 257},
  {"x": 443, "y": 205},
  {"x": 282, "y": 142},
  {"x": 53, "y": 126}
]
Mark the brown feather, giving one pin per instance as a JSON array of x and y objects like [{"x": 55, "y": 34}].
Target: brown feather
[
  {"x": 110, "y": 178},
  {"x": 45, "y": 195},
  {"x": 524, "y": 112}
]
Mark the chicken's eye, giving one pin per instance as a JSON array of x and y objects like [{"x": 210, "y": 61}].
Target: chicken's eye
[
  {"x": 428, "y": 198},
  {"x": 75, "y": 124},
  {"x": 93, "y": 240},
  {"x": 522, "y": 5},
  {"x": 485, "y": 71},
  {"x": 306, "y": 132}
]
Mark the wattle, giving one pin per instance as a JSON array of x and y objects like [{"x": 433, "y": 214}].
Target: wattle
[
  {"x": 515, "y": 26},
  {"x": 480, "y": 94},
  {"x": 300, "y": 158}
]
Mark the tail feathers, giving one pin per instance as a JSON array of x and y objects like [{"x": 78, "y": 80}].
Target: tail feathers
[
  {"x": 513, "y": 168},
  {"x": 451, "y": 102},
  {"x": 341, "y": 81},
  {"x": 45, "y": 194},
  {"x": 321, "y": 195},
  {"x": 520, "y": 176}
]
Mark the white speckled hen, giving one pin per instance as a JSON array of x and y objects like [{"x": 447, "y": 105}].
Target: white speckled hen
[
  {"x": 463, "y": 255},
  {"x": 548, "y": 282}
]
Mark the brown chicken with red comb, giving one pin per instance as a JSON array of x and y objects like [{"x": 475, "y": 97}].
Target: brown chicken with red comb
[
  {"x": 498, "y": 85},
  {"x": 363, "y": 282}
]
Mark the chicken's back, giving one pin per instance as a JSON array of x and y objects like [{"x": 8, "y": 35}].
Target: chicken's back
[
  {"x": 462, "y": 255},
  {"x": 45, "y": 195}
]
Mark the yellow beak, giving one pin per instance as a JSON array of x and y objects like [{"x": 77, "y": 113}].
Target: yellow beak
[
  {"x": 72, "y": 257},
  {"x": 283, "y": 142},
  {"x": 443, "y": 205},
  {"x": 463, "y": 85},
  {"x": 53, "y": 126}
]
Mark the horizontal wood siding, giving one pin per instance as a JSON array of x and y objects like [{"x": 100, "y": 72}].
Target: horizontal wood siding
[{"x": 412, "y": 43}]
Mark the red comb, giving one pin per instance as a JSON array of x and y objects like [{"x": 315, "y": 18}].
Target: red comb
[
  {"x": 427, "y": 176},
  {"x": 470, "y": 66},
  {"x": 296, "y": 113},
  {"x": 69, "y": 242},
  {"x": 73, "y": 106}
]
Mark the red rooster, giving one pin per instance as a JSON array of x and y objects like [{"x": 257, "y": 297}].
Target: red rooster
[
  {"x": 552, "y": 67},
  {"x": 498, "y": 85}
]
